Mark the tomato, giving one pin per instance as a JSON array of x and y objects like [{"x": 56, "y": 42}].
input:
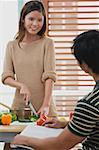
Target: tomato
[
  {"x": 44, "y": 117},
  {"x": 41, "y": 120}
]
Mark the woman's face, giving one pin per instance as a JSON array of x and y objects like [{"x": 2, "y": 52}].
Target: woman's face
[{"x": 33, "y": 22}]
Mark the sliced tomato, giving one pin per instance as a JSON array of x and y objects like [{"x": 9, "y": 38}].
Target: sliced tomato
[
  {"x": 44, "y": 117},
  {"x": 41, "y": 120}
]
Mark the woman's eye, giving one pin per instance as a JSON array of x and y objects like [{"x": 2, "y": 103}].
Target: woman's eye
[
  {"x": 40, "y": 20},
  {"x": 31, "y": 19}
]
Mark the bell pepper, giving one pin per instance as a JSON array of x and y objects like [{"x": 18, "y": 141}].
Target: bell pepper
[
  {"x": 71, "y": 115},
  {"x": 41, "y": 120}
]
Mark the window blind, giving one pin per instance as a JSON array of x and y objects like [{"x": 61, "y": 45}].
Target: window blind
[{"x": 67, "y": 19}]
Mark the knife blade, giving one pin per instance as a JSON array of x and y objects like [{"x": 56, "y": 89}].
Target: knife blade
[{"x": 32, "y": 108}]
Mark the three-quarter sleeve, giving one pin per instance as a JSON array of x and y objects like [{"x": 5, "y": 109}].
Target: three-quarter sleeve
[
  {"x": 49, "y": 62},
  {"x": 8, "y": 69}
]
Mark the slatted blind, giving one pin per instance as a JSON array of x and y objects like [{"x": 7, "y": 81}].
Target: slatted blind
[{"x": 67, "y": 19}]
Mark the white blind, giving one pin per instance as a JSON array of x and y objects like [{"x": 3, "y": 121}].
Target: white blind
[{"x": 67, "y": 19}]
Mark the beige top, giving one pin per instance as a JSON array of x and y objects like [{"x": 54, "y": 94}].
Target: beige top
[{"x": 31, "y": 65}]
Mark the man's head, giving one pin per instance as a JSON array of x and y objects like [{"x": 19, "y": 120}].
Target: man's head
[{"x": 86, "y": 49}]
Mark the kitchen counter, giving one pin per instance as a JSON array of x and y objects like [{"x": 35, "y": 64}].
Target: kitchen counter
[{"x": 8, "y": 132}]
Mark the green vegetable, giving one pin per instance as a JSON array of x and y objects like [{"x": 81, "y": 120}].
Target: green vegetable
[
  {"x": 34, "y": 118},
  {"x": 24, "y": 120},
  {"x": 14, "y": 117},
  {"x": 0, "y": 118}
]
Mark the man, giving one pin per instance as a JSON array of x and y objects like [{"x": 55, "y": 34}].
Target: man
[{"x": 84, "y": 127}]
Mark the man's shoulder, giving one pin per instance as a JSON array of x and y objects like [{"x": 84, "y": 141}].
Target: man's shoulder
[{"x": 90, "y": 101}]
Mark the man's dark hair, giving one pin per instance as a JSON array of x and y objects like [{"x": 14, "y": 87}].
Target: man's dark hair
[{"x": 86, "y": 49}]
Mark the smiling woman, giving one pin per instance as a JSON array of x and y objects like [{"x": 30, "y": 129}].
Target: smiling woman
[
  {"x": 33, "y": 23},
  {"x": 29, "y": 64}
]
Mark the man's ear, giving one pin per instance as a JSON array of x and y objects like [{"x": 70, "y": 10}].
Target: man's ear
[{"x": 84, "y": 67}]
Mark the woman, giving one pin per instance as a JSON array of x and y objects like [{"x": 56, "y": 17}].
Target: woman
[{"x": 29, "y": 64}]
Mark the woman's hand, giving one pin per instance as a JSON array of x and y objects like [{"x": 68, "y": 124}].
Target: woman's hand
[
  {"x": 25, "y": 92},
  {"x": 44, "y": 110}
]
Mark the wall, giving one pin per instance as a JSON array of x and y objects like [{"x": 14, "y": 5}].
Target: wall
[{"x": 8, "y": 29}]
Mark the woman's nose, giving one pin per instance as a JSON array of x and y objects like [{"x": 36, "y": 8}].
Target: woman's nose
[{"x": 35, "y": 22}]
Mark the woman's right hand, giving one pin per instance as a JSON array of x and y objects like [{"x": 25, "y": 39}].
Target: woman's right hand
[{"x": 25, "y": 92}]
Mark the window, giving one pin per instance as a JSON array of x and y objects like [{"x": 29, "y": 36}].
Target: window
[{"x": 66, "y": 19}]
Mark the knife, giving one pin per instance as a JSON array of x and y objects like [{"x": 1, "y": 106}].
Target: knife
[{"x": 32, "y": 108}]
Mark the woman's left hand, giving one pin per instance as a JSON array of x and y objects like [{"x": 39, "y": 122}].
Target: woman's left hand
[{"x": 44, "y": 110}]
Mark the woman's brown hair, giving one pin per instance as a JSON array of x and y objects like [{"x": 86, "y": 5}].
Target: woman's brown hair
[{"x": 27, "y": 8}]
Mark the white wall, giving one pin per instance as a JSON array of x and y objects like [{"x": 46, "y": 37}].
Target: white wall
[{"x": 8, "y": 29}]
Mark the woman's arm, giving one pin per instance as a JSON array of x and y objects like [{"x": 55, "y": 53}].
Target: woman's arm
[
  {"x": 13, "y": 83},
  {"x": 49, "y": 83},
  {"x": 21, "y": 86}
]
